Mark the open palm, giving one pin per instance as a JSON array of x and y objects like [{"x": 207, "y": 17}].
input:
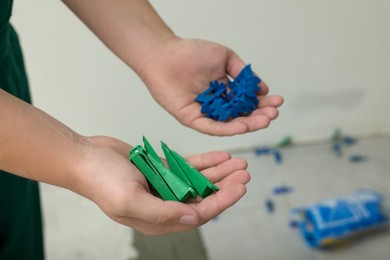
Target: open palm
[
  {"x": 179, "y": 70},
  {"x": 120, "y": 190}
]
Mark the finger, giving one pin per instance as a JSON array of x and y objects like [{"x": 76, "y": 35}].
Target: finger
[
  {"x": 156, "y": 211},
  {"x": 219, "y": 172},
  {"x": 234, "y": 64},
  {"x": 207, "y": 160},
  {"x": 207, "y": 125},
  {"x": 254, "y": 122},
  {"x": 227, "y": 186},
  {"x": 241, "y": 176},
  {"x": 270, "y": 112},
  {"x": 152, "y": 229},
  {"x": 216, "y": 203},
  {"x": 263, "y": 88},
  {"x": 236, "y": 126},
  {"x": 270, "y": 101},
  {"x": 217, "y": 128},
  {"x": 238, "y": 177}
]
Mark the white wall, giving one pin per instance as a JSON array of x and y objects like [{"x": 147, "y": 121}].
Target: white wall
[{"x": 329, "y": 59}]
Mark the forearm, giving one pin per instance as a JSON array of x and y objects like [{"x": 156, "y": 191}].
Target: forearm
[
  {"x": 34, "y": 145},
  {"x": 130, "y": 28}
]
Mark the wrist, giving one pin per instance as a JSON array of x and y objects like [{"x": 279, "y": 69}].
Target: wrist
[
  {"x": 76, "y": 170},
  {"x": 152, "y": 55},
  {"x": 155, "y": 60},
  {"x": 99, "y": 159}
]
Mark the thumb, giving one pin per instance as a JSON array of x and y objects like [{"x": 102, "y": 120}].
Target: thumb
[
  {"x": 234, "y": 64},
  {"x": 156, "y": 211}
]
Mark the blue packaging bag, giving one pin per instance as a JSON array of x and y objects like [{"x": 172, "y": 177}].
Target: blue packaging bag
[{"x": 334, "y": 220}]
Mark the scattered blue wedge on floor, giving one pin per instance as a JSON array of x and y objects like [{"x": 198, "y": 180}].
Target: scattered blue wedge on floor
[
  {"x": 238, "y": 98},
  {"x": 357, "y": 158},
  {"x": 283, "y": 189},
  {"x": 180, "y": 183},
  {"x": 339, "y": 141},
  {"x": 269, "y": 205},
  {"x": 334, "y": 221},
  {"x": 276, "y": 152}
]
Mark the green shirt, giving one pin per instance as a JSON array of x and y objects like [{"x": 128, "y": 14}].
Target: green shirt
[{"x": 20, "y": 214}]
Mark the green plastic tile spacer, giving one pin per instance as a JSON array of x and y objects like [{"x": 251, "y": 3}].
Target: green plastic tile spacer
[
  {"x": 149, "y": 150},
  {"x": 286, "y": 141},
  {"x": 173, "y": 165},
  {"x": 201, "y": 184},
  {"x": 180, "y": 183},
  {"x": 181, "y": 167},
  {"x": 183, "y": 192},
  {"x": 139, "y": 159}
]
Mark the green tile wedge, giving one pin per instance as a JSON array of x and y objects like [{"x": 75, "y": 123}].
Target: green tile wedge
[
  {"x": 173, "y": 165},
  {"x": 199, "y": 182},
  {"x": 139, "y": 158},
  {"x": 166, "y": 183},
  {"x": 183, "y": 192},
  {"x": 149, "y": 150}
]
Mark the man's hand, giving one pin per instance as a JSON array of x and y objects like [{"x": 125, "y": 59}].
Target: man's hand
[
  {"x": 109, "y": 179},
  {"x": 178, "y": 70}
]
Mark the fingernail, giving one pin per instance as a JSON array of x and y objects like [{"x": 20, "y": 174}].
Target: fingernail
[{"x": 188, "y": 220}]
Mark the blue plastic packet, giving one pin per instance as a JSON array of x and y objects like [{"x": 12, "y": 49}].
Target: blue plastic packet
[{"x": 336, "y": 220}]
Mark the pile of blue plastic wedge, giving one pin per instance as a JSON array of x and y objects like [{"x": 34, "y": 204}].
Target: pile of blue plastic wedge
[{"x": 238, "y": 98}]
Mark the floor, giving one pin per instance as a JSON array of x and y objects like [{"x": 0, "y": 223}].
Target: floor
[
  {"x": 250, "y": 231},
  {"x": 76, "y": 229}
]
